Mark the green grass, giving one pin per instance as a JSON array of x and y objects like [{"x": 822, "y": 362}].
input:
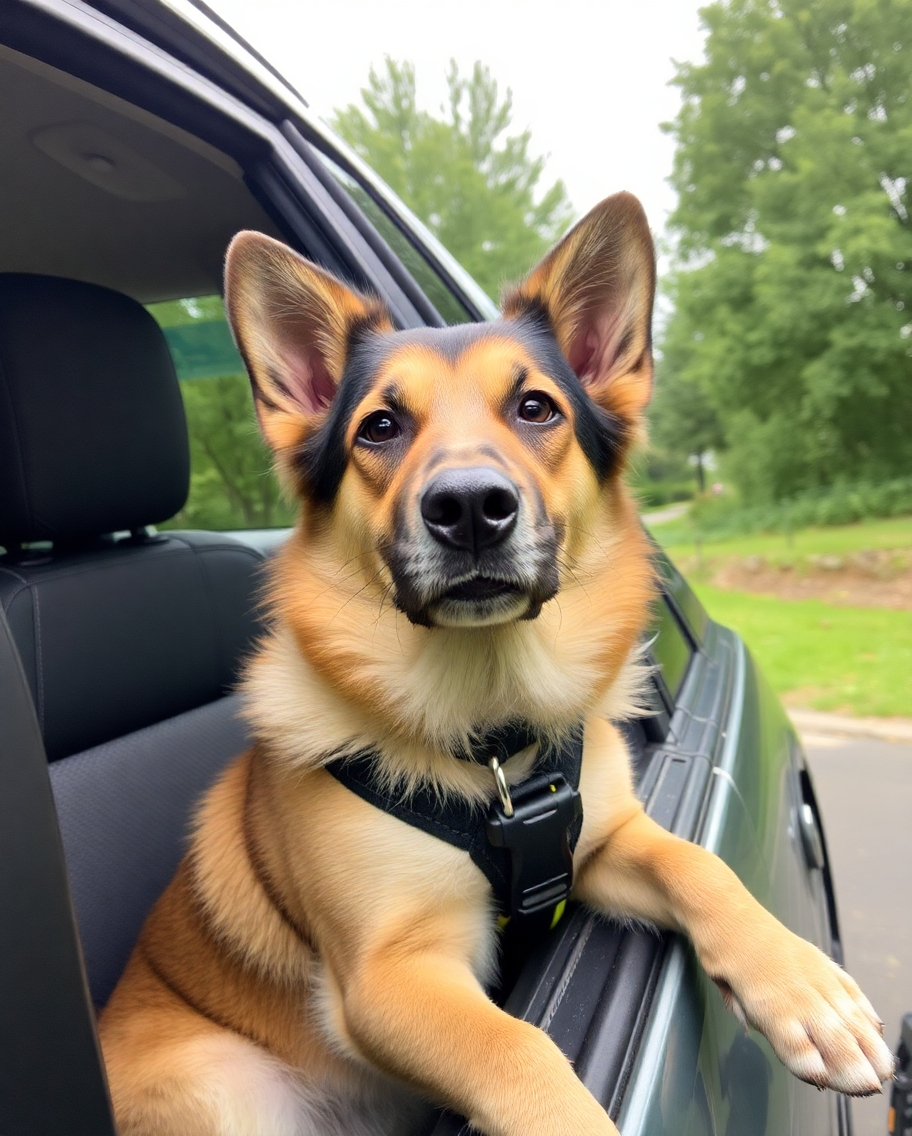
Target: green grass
[
  {"x": 837, "y": 540},
  {"x": 844, "y": 659}
]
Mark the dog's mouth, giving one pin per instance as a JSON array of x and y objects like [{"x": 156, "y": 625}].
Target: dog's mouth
[
  {"x": 481, "y": 589},
  {"x": 474, "y": 602},
  {"x": 436, "y": 587},
  {"x": 479, "y": 601}
]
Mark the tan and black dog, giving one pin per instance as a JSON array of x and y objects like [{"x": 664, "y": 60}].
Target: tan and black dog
[{"x": 467, "y": 556}]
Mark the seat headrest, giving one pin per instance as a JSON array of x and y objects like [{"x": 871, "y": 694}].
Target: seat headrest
[{"x": 93, "y": 437}]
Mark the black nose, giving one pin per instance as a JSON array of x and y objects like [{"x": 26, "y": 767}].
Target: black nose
[{"x": 470, "y": 508}]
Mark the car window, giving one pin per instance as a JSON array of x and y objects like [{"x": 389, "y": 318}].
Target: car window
[
  {"x": 433, "y": 286},
  {"x": 232, "y": 485},
  {"x": 671, "y": 648}
]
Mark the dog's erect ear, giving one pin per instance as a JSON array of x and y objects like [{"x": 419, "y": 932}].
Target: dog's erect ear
[
  {"x": 596, "y": 289},
  {"x": 293, "y": 324}
]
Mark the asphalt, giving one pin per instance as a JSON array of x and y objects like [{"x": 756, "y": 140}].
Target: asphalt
[
  {"x": 864, "y": 786},
  {"x": 669, "y": 513},
  {"x": 813, "y": 723}
]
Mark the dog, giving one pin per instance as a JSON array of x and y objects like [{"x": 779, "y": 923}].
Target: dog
[{"x": 467, "y": 558}]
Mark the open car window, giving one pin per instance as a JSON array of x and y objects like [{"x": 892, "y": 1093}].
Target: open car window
[{"x": 232, "y": 485}]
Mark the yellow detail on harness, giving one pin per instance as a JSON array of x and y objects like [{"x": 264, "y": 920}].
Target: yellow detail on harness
[{"x": 503, "y": 920}]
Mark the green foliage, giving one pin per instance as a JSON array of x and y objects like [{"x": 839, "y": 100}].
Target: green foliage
[
  {"x": 475, "y": 185},
  {"x": 797, "y": 548},
  {"x": 684, "y": 426},
  {"x": 187, "y": 313},
  {"x": 231, "y": 481},
  {"x": 793, "y": 279},
  {"x": 721, "y": 518},
  {"x": 654, "y": 492},
  {"x": 840, "y": 504}
]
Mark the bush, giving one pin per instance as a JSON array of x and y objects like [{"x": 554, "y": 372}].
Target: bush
[{"x": 835, "y": 505}]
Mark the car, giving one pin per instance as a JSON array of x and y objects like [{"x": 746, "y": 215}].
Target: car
[{"x": 137, "y": 137}]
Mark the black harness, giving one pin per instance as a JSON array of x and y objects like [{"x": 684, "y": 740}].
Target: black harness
[{"x": 523, "y": 840}]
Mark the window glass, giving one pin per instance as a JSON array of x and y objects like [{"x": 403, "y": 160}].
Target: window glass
[
  {"x": 423, "y": 273},
  {"x": 671, "y": 648},
  {"x": 674, "y": 585},
  {"x": 232, "y": 485}
]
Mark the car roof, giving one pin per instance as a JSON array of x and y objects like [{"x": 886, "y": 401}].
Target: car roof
[{"x": 194, "y": 33}]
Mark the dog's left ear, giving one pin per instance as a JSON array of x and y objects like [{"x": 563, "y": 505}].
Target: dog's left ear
[
  {"x": 294, "y": 325},
  {"x": 595, "y": 289}
]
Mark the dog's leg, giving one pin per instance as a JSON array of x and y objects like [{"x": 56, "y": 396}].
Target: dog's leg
[
  {"x": 213, "y": 1083},
  {"x": 816, "y": 1019},
  {"x": 421, "y": 1014}
]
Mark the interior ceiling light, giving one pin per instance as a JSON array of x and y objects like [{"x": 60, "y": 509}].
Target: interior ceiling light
[{"x": 106, "y": 162}]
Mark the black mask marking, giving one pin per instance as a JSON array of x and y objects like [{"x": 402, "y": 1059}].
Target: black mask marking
[{"x": 322, "y": 459}]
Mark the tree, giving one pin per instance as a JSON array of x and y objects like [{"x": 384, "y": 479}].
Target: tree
[
  {"x": 475, "y": 185},
  {"x": 792, "y": 285},
  {"x": 231, "y": 482},
  {"x": 684, "y": 424}
]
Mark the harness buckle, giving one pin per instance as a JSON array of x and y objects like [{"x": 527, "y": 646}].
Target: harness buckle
[
  {"x": 503, "y": 791},
  {"x": 536, "y": 833}
]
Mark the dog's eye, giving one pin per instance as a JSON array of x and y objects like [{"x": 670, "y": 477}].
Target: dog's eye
[
  {"x": 536, "y": 407},
  {"x": 379, "y": 427}
]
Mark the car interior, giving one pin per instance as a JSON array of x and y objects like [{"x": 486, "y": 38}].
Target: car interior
[
  {"x": 131, "y": 631},
  {"x": 130, "y": 638},
  {"x": 97, "y": 189}
]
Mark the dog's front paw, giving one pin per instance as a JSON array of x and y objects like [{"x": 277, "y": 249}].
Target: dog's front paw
[{"x": 814, "y": 1015}]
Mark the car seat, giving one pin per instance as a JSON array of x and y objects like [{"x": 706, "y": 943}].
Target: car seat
[{"x": 130, "y": 639}]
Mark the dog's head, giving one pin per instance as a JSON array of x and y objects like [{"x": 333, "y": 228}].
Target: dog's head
[{"x": 463, "y": 466}]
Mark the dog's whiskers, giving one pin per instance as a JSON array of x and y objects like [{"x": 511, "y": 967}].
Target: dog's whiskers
[
  {"x": 572, "y": 572},
  {"x": 383, "y": 598},
  {"x": 351, "y": 575},
  {"x": 369, "y": 583}
]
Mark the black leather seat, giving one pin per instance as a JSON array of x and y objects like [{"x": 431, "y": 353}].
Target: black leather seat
[{"x": 131, "y": 644}]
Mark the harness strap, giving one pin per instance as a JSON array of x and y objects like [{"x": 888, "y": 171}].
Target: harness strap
[{"x": 472, "y": 827}]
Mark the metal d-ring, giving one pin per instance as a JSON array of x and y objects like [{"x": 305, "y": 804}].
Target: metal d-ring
[{"x": 501, "y": 782}]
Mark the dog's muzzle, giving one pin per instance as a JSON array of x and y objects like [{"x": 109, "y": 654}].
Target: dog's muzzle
[{"x": 473, "y": 555}]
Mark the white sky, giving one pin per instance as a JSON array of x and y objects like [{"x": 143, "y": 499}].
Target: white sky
[{"x": 589, "y": 79}]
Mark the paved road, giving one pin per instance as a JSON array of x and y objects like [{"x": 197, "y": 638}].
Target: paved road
[
  {"x": 865, "y": 793},
  {"x": 669, "y": 513}
]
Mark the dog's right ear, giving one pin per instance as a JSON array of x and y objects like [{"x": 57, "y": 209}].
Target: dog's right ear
[
  {"x": 293, "y": 324},
  {"x": 595, "y": 291}
]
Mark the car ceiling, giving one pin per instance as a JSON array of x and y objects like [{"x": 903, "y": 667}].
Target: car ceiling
[{"x": 95, "y": 189}]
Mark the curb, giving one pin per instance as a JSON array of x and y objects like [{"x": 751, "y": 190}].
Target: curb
[{"x": 883, "y": 729}]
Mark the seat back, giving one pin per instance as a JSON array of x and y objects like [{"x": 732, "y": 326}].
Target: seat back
[{"x": 51, "y": 1075}]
